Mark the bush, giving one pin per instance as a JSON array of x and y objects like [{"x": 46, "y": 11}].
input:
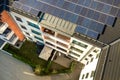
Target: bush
[
  {"x": 28, "y": 54},
  {"x": 37, "y": 70}
]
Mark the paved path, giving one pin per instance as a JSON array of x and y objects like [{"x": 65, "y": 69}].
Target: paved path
[{"x": 13, "y": 69}]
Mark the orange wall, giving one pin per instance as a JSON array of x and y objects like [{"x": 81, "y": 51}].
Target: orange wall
[{"x": 12, "y": 25}]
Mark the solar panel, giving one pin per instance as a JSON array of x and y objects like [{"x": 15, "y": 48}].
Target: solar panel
[
  {"x": 90, "y": 14},
  {"x": 16, "y": 5},
  {"x": 77, "y": 9},
  {"x": 86, "y": 23},
  {"x": 92, "y": 34},
  {"x": 87, "y": 3},
  {"x": 110, "y": 20},
  {"x": 25, "y": 8},
  {"x": 106, "y": 8},
  {"x": 80, "y": 29},
  {"x": 114, "y": 11},
  {"x": 34, "y": 12}
]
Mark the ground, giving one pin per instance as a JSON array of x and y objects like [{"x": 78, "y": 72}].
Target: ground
[{"x": 13, "y": 69}]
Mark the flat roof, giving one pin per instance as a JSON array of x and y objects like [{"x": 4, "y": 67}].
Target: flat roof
[
  {"x": 111, "y": 33},
  {"x": 109, "y": 63}
]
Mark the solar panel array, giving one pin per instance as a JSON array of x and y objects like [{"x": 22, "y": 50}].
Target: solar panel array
[{"x": 91, "y": 16}]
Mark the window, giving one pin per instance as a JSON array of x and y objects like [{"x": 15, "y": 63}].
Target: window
[
  {"x": 23, "y": 27},
  {"x": 97, "y": 56},
  {"x": 62, "y": 49},
  {"x": 77, "y": 49},
  {"x": 33, "y": 25},
  {"x": 95, "y": 50},
  {"x": 18, "y": 19},
  {"x": 83, "y": 76},
  {"x": 80, "y": 44},
  {"x": 35, "y": 32},
  {"x": 87, "y": 63},
  {"x": 49, "y": 44},
  {"x": 38, "y": 38},
  {"x": 30, "y": 38},
  {"x": 92, "y": 59},
  {"x": 90, "y": 55},
  {"x": 74, "y": 54},
  {"x": 86, "y": 59},
  {"x": 92, "y": 74},
  {"x": 87, "y": 75},
  {"x": 27, "y": 33}
]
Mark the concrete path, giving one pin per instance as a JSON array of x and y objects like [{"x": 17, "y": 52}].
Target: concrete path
[{"x": 13, "y": 69}]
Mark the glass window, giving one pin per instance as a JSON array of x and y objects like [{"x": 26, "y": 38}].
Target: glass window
[
  {"x": 90, "y": 55},
  {"x": 74, "y": 54},
  {"x": 87, "y": 75},
  {"x": 23, "y": 27},
  {"x": 92, "y": 74},
  {"x": 27, "y": 33},
  {"x": 78, "y": 50},
  {"x": 35, "y": 32},
  {"x": 30, "y": 38},
  {"x": 38, "y": 38},
  {"x": 33, "y": 25},
  {"x": 92, "y": 59},
  {"x": 79, "y": 44},
  {"x": 83, "y": 76},
  {"x": 18, "y": 19}
]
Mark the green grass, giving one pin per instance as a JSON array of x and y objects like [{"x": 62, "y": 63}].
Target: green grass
[{"x": 28, "y": 54}]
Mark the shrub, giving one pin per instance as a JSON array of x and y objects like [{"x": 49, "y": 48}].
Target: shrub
[{"x": 37, "y": 70}]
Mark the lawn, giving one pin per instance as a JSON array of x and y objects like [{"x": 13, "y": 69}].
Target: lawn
[{"x": 28, "y": 54}]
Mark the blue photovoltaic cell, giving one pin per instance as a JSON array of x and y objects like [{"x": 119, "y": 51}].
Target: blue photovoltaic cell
[
  {"x": 16, "y": 5},
  {"x": 90, "y": 14},
  {"x": 92, "y": 34},
  {"x": 86, "y": 23},
  {"x": 78, "y": 9},
  {"x": 87, "y": 2},
  {"x": 100, "y": 28},
  {"x": 74, "y": 18},
  {"x": 68, "y": 16},
  {"x": 80, "y": 29},
  {"x": 106, "y": 8},
  {"x": 34, "y": 12},
  {"x": 69, "y": 6},
  {"x": 60, "y": 3},
  {"x": 110, "y": 20},
  {"x": 94, "y": 5},
  {"x": 96, "y": 15},
  {"x": 25, "y": 8},
  {"x": 81, "y": 1},
  {"x": 80, "y": 20}
]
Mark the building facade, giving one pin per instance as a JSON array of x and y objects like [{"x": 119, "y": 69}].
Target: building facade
[{"x": 80, "y": 34}]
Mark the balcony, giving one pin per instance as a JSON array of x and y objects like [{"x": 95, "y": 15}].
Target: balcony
[
  {"x": 78, "y": 51},
  {"x": 62, "y": 45},
  {"x": 47, "y": 31},
  {"x": 13, "y": 39},
  {"x": 3, "y": 27},
  {"x": 65, "y": 38},
  {"x": 49, "y": 39},
  {"x": 8, "y": 33}
]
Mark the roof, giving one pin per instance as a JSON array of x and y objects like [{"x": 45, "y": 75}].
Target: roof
[
  {"x": 111, "y": 33},
  {"x": 91, "y": 16},
  {"x": 109, "y": 63}
]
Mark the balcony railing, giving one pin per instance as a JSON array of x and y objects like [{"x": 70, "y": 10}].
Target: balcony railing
[{"x": 3, "y": 27}]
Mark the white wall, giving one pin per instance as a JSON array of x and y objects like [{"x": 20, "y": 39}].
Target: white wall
[
  {"x": 91, "y": 66},
  {"x": 28, "y": 27}
]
